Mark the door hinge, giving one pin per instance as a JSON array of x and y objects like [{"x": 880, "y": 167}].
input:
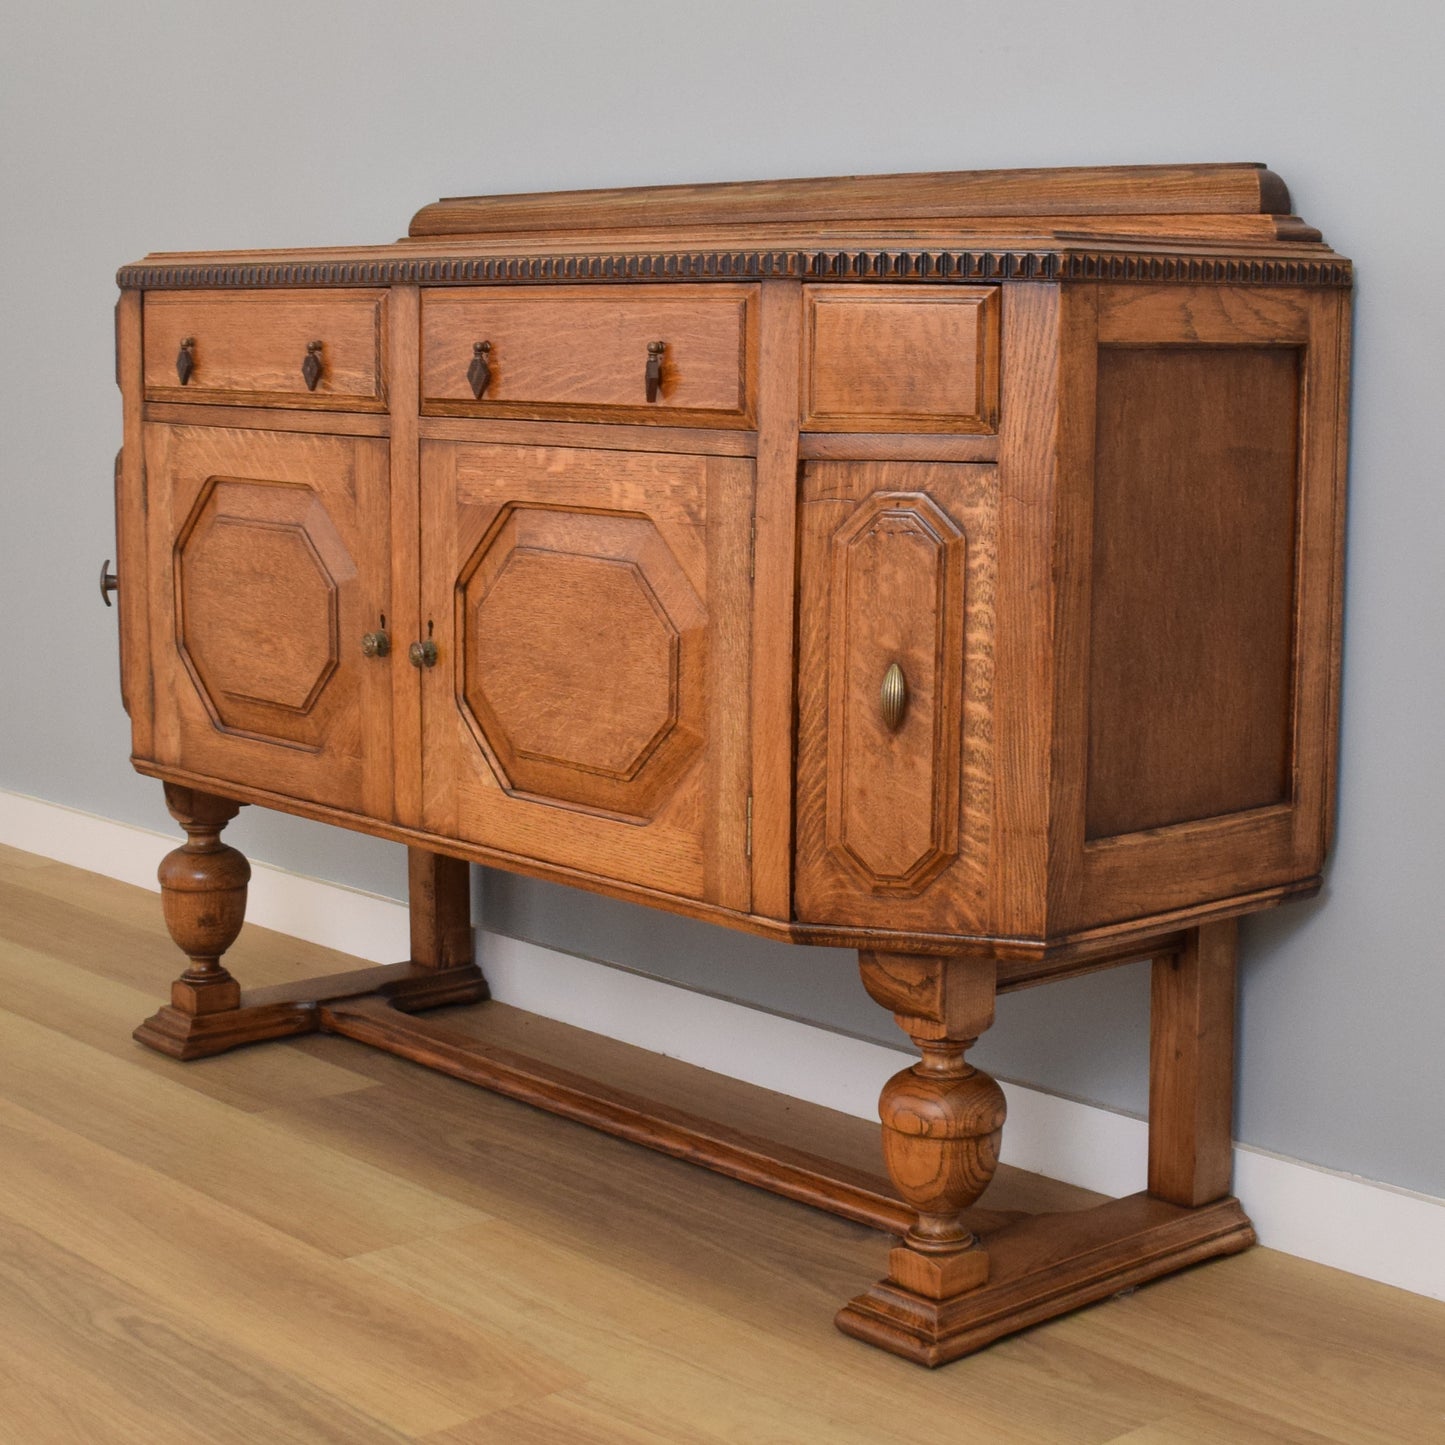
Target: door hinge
[
  {"x": 750, "y": 826},
  {"x": 753, "y": 548}
]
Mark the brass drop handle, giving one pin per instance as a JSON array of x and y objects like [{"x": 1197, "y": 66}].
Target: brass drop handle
[
  {"x": 311, "y": 367},
  {"x": 376, "y": 644},
  {"x": 893, "y": 697},
  {"x": 423, "y": 654},
  {"x": 653, "y": 378},
  {"x": 479, "y": 373},
  {"x": 186, "y": 360},
  {"x": 109, "y": 582}
]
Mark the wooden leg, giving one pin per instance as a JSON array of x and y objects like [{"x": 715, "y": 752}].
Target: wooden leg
[
  {"x": 203, "y": 897},
  {"x": 1191, "y": 1067},
  {"x": 942, "y": 1122},
  {"x": 440, "y": 890},
  {"x": 203, "y": 894},
  {"x": 947, "y": 1293}
]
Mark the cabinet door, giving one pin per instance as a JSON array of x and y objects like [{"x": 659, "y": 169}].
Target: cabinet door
[
  {"x": 267, "y": 565},
  {"x": 895, "y": 774},
  {"x": 589, "y": 704}
]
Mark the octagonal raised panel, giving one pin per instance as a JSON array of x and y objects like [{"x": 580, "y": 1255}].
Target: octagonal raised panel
[
  {"x": 258, "y": 568},
  {"x": 897, "y": 598},
  {"x": 580, "y": 664}
]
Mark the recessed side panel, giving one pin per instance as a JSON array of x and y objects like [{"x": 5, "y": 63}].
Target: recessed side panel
[
  {"x": 1207, "y": 523},
  {"x": 1196, "y": 497},
  {"x": 896, "y": 615}
]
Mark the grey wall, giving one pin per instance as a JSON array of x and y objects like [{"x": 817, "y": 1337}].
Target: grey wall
[{"x": 131, "y": 127}]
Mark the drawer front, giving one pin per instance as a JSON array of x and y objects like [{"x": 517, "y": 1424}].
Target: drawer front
[
  {"x": 251, "y": 348},
  {"x": 582, "y": 351},
  {"x": 901, "y": 359}
]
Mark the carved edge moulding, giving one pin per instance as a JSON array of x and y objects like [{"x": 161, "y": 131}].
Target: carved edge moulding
[{"x": 992, "y": 632}]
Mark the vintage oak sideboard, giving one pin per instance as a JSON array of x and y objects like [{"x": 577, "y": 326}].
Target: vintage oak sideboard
[{"x": 941, "y": 566}]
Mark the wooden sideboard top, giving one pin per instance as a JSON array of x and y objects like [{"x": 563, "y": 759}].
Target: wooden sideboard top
[{"x": 1201, "y": 223}]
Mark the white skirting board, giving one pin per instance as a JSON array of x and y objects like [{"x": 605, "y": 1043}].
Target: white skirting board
[{"x": 1367, "y": 1228}]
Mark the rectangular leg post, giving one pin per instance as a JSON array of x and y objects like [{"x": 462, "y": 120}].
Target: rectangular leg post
[
  {"x": 1191, "y": 1067},
  {"x": 440, "y": 892}
]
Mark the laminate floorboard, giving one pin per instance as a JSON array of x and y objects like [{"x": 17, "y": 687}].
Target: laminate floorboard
[{"x": 309, "y": 1241}]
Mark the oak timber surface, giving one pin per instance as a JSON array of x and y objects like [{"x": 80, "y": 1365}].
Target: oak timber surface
[{"x": 317, "y": 1242}]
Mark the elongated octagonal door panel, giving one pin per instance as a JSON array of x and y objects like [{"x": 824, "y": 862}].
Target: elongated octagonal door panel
[
  {"x": 588, "y": 706},
  {"x": 267, "y": 556},
  {"x": 896, "y": 625}
]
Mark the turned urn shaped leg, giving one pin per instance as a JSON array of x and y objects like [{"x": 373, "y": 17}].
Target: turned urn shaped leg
[
  {"x": 203, "y": 896},
  {"x": 942, "y": 1122}
]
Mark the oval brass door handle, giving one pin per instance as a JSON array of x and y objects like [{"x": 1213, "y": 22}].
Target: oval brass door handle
[
  {"x": 479, "y": 373},
  {"x": 311, "y": 367},
  {"x": 376, "y": 644},
  {"x": 109, "y": 582},
  {"x": 653, "y": 376},
  {"x": 423, "y": 654},
  {"x": 893, "y": 697},
  {"x": 185, "y": 359}
]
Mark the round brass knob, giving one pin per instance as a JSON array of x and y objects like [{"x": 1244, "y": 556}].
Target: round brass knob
[
  {"x": 375, "y": 644},
  {"x": 109, "y": 582},
  {"x": 423, "y": 654}
]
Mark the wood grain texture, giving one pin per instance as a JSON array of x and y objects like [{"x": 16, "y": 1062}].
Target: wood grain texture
[
  {"x": 1191, "y": 1067},
  {"x": 896, "y": 447},
  {"x": 1023, "y": 961},
  {"x": 133, "y": 593},
  {"x": 269, "y": 558},
  {"x": 1024, "y": 647},
  {"x": 672, "y": 1304},
  {"x": 1195, "y": 505},
  {"x": 604, "y": 435},
  {"x": 400, "y": 614},
  {"x": 898, "y": 565},
  {"x": 582, "y": 353},
  {"x": 248, "y": 348},
  {"x": 1130, "y": 874},
  {"x": 439, "y": 894},
  {"x": 587, "y": 610},
  {"x": 898, "y": 358},
  {"x": 1080, "y": 190},
  {"x": 773, "y": 571},
  {"x": 1005, "y": 705},
  {"x": 269, "y": 418}
]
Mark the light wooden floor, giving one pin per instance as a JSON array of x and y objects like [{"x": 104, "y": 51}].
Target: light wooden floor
[{"x": 309, "y": 1241}]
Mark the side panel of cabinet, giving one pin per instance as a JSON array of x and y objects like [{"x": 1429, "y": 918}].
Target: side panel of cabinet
[
  {"x": 1196, "y": 751},
  {"x": 896, "y": 629},
  {"x": 588, "y": 706},
  {"x": 267, "y": 563}
]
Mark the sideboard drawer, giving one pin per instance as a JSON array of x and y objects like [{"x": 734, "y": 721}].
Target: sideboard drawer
[
  {"x": 253, "y": 348},
  {"x": 584, "y": 351},
  {"x": 901, "y": 359}
]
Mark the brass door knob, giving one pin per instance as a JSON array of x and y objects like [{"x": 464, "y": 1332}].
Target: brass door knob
[
  {"x": 376, "y": 644},
  {"x": 423, "y": 654},
  {"x": 893, "y": 697},
  {"x": 109, "y": 582}
]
